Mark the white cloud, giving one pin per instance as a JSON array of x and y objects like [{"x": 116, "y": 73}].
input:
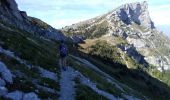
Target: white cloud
[
  {"x": 160, "y": 14},
  {"x": 160, "y": 18}
]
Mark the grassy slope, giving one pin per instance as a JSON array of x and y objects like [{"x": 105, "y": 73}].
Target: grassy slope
[
  {"x": 85, "y": 93},
  {"x": 94, "y": 31},
  {"x": 134, "y": 78},
  {"x": 36, "y": 52}
]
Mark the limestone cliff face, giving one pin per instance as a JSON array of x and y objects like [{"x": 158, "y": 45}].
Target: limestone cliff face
[
  {"x": 135, "y": 12},
  {"x": 9, "y": 13}
]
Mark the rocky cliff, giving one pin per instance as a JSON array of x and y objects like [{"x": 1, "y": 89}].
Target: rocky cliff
[
  {"x": 9, "y": 13},
  {"x": 135, "y": 13}
]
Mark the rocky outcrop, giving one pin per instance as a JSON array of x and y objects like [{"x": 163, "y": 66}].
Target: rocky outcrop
[
  {"x": 30, "y": 96},
  {"x": 10, "y": 14},
  {"x": 18, "y": 95},
  {"x": 131, "y": 51},
  {"x": 2, "y": 82},
  {"x": 10, "y": 8},
  {"x": 135, "y": 12},
  {"x": 3, "y": 91},
  {"x": 47, "y": 74}
]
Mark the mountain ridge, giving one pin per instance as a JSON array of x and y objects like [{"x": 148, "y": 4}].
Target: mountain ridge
[{"x": 137, "y": 30}]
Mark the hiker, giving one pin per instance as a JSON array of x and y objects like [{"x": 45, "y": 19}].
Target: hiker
[{"x": 63, "y": 55}]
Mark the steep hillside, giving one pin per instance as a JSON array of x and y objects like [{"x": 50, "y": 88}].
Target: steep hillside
[
  {"x": 27, "y": 64},
  {"x": 97, "y": 69},
  {"x": 130, "y": 29}
]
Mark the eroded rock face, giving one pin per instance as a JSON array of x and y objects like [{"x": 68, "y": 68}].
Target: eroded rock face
[
  {"x": 131, "y": 51},
  {"x": 10, "y": 8},
  {"x": 137, "y": 13},
  {"x": 9, "y": 13}
]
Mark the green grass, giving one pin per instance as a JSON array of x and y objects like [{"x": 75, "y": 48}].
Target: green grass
[
  {"x": 106, "y": 51},
  {"x": 85, "y": 93},
  {"x": 34, "y": 51},
  {"x": 94, "y": 31},
  {"x": 163, "y": 76},
  {"x": 134, "y": 78},
  {"x": 22, "y": 84},
  {"x": 50, "y": 83},
  {"x": 46, "y": 95},
  {"x": 14, "y": 65}
]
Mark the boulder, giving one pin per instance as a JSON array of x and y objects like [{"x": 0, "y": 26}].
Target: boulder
[
  {"x": 30, "y": 96},
  {"x": 3, "y": 91},
  {"x": 47, "y": 74},
  {"x": 5, "y": 73},
  {"x": 2, "y": 82},
  {"x": 24, "y": 14},
  {"x": 16, "y": 95}
]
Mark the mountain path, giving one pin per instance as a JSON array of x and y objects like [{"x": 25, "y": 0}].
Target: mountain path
[
  {"x": 67, "y": 90},
  {"x": 67, "y": 85}
]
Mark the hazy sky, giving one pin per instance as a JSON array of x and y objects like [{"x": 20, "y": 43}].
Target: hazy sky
[{"x": 60, "y": 13}]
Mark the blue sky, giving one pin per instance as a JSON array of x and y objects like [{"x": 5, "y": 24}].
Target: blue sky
[{"x": 60, "y": 13}]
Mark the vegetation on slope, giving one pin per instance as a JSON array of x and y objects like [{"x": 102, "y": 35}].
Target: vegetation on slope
[
  {"x": 110, "y": 53},
  {"x": 94, "y": 31},
  {"x": 36, "y": 52},
  {"x": 137, "y": 79},
  {"x": 163, "y": 76},
  {"x": 96, "y": 78},
  {"x": 86, "y": 93},
  {"x": 38, "y": 22}
]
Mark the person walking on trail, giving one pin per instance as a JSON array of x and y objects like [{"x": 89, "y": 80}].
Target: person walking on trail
[{"x": 63, "y": 55}]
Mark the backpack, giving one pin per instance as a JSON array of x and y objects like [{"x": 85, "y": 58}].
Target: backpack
[{"x": 63, "y": 50}]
